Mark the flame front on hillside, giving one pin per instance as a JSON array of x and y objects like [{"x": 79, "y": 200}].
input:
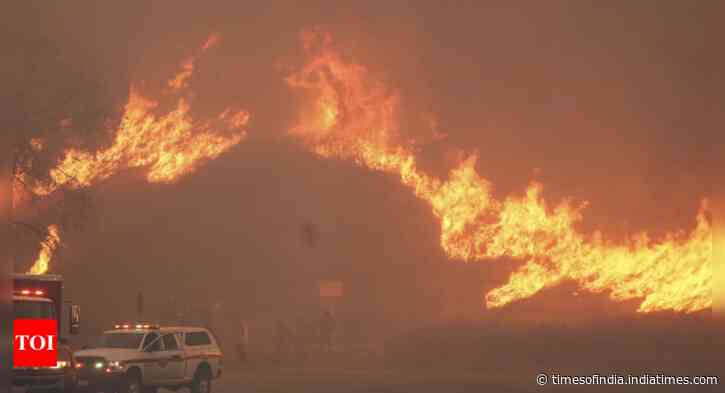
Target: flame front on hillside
[
  {"x": 354, "y": 117},
  {"x": 170, "y": 145}
]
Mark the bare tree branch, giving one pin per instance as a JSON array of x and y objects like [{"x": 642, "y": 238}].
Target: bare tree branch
[{"x": 43, "y": 234}]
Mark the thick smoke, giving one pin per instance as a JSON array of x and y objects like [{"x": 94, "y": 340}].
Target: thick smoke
[{"x": 623, "y": 118}]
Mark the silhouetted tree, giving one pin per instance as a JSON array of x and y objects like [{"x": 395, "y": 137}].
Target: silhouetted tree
[{"x": 52, "y": 98}]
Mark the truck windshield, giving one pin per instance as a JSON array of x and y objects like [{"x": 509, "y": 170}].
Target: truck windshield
[
  {"x": 28, "y": 309},
  {"x": 120, "y": 340}
]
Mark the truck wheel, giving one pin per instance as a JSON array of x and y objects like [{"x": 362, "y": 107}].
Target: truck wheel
[
  {"x": 131, "y": 384},
  {"x": 70, "y": 385},
  {"x": 202, "y": 382}
]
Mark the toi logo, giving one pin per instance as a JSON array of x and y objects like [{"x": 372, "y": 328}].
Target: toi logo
[{"x": 35, "y": 342}]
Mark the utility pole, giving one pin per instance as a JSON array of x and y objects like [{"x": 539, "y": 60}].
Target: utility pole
[
  {"x": 7, "y": 253},
  {"x": 139, "y": 307}
]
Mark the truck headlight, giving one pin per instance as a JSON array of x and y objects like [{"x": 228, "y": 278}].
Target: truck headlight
[
  {"x": 114, "y": 366},
  {"x": 60, "y": 364}
]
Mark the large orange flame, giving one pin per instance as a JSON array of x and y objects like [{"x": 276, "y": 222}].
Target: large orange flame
[
  {"x": 170, "y": 145},
  {"x": 352, "y": 116},
  {"x": 47, "y": 250}
]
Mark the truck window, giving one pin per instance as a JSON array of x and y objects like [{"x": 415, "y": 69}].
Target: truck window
[
  {"x": 28, "y": 309},
  {"x": 152, "y": 342},
  {"x": 170, "y": 342},
  {"x": 197, "y": 338},
  {"x": 120, "y": 340}
]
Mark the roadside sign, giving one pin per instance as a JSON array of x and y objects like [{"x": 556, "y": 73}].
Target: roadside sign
[{"x": 330, "y": 288}]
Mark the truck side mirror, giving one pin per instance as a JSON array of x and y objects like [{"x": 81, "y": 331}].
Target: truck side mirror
[{"x": 75, "y": 318}]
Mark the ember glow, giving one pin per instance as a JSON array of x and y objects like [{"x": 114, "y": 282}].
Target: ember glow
[
  {"x": 170, "y": 144},
  {"x": 352, "y": 116},
  {"x": 47, "y": 250}
]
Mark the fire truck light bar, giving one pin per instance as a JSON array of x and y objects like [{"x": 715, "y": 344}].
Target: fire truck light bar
[
  {"x": 28, "y": 292},
  {"x": 136, "y": 326}
]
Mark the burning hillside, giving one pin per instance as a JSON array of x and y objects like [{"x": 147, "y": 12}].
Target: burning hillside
[
  {"x": 354, "y": 117},
  {"x": 170, "y": 145}
]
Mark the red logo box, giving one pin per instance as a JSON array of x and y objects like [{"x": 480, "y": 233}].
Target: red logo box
[{"x": 35, "y": 343}]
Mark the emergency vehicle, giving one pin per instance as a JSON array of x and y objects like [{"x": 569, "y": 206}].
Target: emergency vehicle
[
  {"x": 41, "y": 297},
  {"x": 142, "y": 357}
]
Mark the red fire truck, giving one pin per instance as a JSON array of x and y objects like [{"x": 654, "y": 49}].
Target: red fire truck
[{"x": 41, "y": 297}]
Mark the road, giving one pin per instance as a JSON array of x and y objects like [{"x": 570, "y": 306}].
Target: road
[
  {"x": 343, "y": 381},
  {"x": 238, "y": 380},
  {"x": 339, "y": 381}
]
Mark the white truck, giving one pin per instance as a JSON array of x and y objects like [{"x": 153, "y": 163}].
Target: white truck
[{"x": 140, "y": 358}]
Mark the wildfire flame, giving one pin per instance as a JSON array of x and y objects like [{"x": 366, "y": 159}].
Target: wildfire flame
[
  {"x": 170, "y": 145},
  {"x": 47, "y": 250},
  {"x": 353, "y": 116},
  {"x": 21, "y": 181},
  {"x": 187, "y": 66}
]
